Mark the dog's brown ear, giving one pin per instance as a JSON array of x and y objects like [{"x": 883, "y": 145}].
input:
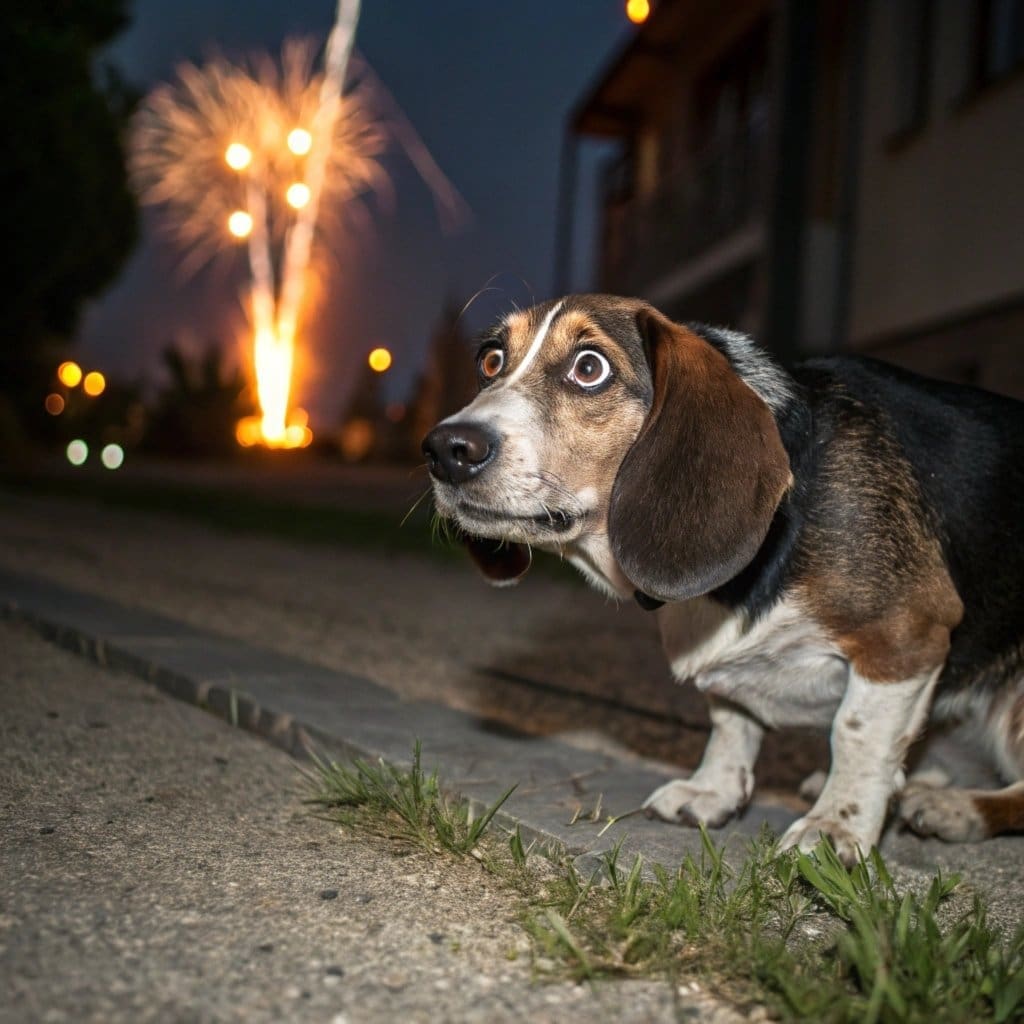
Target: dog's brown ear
[
  {"x": 697, "y": 491},
  {"x": 502, "y": 563}
]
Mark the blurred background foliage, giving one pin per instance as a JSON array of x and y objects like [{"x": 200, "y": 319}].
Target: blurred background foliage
[{"x": 69, "y": 219}]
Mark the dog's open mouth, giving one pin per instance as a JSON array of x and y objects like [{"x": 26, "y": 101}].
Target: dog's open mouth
[{"x": 555, "y": 520}]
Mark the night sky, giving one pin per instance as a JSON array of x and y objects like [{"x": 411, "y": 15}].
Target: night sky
[{"x": 486, "y": 85}]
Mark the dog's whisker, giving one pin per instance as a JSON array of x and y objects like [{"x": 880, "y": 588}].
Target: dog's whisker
[
  {"x": 487, "y": 287},
  {"x": 414, "y": 506}
]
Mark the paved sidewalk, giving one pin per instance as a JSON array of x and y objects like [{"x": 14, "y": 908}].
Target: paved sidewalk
[
  {"x": 156, "y": 865},
  {"x": 123, "y": 909},
  {"x": 297, "y": 705},
  {"x": 300, "y": 706}
]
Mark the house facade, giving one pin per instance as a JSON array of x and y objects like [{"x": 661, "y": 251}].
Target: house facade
[{"x": 826, "y": 174}]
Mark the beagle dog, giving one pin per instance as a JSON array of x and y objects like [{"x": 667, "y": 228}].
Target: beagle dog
[{"x": 838, "y": 546}]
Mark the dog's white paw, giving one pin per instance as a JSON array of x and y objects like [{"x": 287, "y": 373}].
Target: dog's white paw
[
  {"x": 807, "y": 832},
  {"x": 949, "y": 814},
  {"x": 684, "y": 803}
]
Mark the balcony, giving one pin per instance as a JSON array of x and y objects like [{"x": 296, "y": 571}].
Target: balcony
[{"x": 710, "y": 198}]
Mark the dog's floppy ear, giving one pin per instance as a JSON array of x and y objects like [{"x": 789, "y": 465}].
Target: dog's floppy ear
[
  {"x": 502, "y": 563},
  {"x": 697, "y": 491}
]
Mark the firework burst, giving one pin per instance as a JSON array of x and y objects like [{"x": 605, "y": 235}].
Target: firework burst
[
  {"x": 269, "y": 153},
  {"x": 183, "y": 131}
]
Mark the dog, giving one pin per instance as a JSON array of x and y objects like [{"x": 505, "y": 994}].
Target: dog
[{"x": 840, "y": 545}]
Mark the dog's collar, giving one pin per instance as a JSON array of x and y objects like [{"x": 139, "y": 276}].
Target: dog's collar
[{"x": 648, "y": 603}]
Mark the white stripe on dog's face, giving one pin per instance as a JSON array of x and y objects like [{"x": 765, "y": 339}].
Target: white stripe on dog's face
[{"x": 531, "y": 352}]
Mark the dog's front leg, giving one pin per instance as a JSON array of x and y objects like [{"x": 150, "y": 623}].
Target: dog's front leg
[
  {"x": 723, "y": 784},
  {"x": 875, "y": 724}
]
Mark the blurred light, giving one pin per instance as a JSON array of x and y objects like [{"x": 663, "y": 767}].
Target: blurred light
[
  {"x": 112, "y": 456},
  {"x": 54, "y": 404},
  {"x": 638, "y": 11},
  {"x": 94, "y": 384},
  {"x": 297, "y": 436},
  {"x": 300, "y": 142},
  {"x": 238, "y": 156},
  {"x": 298, "y": 194},
  {"x": 77, "y": 452},
  {"x": 356, "y": 439},
  {"x": 69, "y": 374},
  {"x": 379, "y": 359},
  {"x": 247, "y": 431},
  {"x": 240, "y": 224}
]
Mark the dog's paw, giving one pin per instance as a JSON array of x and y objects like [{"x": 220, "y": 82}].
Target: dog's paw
[
  {"x": 949, "y": 814},
  {"x": 807, "y": 832},
  {"x": 684, "y": 803}
]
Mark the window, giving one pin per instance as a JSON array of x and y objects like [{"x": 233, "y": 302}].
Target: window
[
  {"x": 913, "y": 56},
  {"x": 999, "y": 39}
]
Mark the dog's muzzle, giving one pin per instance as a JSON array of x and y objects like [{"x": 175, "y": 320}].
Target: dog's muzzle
[{"x": 457, "y": 452}]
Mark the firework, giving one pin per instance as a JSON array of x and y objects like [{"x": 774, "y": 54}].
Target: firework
[{"x": 268, "y": 153}]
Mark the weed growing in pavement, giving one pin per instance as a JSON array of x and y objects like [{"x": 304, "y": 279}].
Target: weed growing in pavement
[
  {"x": 800, "y": 934},
  {"x": 404, "y": 805}
]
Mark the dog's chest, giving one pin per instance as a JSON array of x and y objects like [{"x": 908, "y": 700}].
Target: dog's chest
[{"x": 781, "y": 667}]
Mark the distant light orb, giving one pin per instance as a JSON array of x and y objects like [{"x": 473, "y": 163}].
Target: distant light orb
[
  {"x": 77, "y": 452},
  {"x": 238, "y": 156},
  {"x": 69, "y": 374},
  {"x": 247, "y": 431},
  {"x": 112, "y": 456},
  {"x": 638, "y": 11},
  {"x": 94, "y": 384},
  {"x": 298, "y": 194},
  {"x": 54, "y": 404},
  {"x": 300, "y": 142},
  {"x": 240, "y": 224},
  {"x": 379, "y": 359}
]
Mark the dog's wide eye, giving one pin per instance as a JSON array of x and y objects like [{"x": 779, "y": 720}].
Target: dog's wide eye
[
  {"x": 590, "y": 369},
  {"x": 490, "y": 362}
]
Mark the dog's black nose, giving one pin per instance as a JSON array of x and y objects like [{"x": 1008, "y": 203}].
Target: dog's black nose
[{"x": 458, "y": 451}]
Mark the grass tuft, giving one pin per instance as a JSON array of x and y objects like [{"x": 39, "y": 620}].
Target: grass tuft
[
  {"x": 799, "y": 934},
  {"x": 404, "y": 805}
]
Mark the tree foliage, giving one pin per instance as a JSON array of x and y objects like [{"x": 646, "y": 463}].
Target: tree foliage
[{"x": 67, "y": 216}]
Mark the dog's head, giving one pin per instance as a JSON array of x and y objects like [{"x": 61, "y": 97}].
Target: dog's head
[{"x": 606, "y": 431}]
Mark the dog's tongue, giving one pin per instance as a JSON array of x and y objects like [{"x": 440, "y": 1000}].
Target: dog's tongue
[{"x": 502, "y": 563}]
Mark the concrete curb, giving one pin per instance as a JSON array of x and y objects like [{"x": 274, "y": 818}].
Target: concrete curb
[{"x": 301, "y": 706}]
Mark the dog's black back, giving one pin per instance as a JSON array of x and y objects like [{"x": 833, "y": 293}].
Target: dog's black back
[{"x": 965, "y": 448}]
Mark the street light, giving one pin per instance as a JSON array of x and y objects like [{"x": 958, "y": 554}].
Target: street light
[
  {"x": 238, "y": 156},
  {"x": 94, "y": 384},
  {"x": 379, "y": 359},
  {"x": 77, "y": 452},
  {"x": 112, "y": 456},
  {"x": 638, "y": 11},
  {"x": 69, "y": 374}
]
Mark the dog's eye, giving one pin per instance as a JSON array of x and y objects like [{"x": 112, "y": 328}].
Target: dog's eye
[
  {"x": 590, "y": 369},
  {"x": 490, "y": 362}
]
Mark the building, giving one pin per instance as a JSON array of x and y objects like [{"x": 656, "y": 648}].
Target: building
[{"x": 826, "y": 174}]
